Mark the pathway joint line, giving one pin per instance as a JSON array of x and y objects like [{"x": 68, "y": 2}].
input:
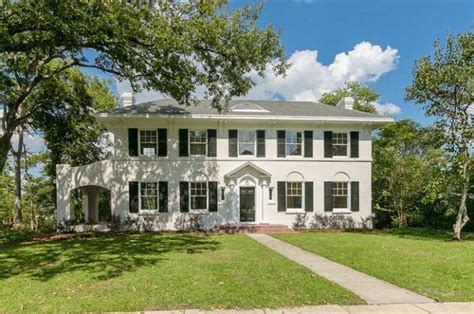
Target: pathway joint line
[{"x": 370, "y": 289}]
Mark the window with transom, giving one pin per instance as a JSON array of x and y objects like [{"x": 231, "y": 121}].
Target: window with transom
[
  {"x": 294, "y": 195},
  {"x": 198, "y": 195},
  {"x": 340, "y": 195},
  {"x": 149, "y": 195}
]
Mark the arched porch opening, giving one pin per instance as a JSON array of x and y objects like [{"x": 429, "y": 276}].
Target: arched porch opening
[{"x": 90, "y": 204}]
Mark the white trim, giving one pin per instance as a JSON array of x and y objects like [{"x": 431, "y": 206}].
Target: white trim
[
  {"x": 148, "y": 211},
  {"x": 199, "y": 210},
  {"x": 295, "y": 210},
  {"x": 348, "y": 145},
  {"x": 140, "y": 143},
  {"x": 301, "y": 144},
  {"x": 189, "y": 143},
  {"x": 254, "y": 144}
]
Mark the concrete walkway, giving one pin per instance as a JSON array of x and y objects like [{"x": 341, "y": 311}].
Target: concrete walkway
[
  {"x": 372, "y": 290},
  {"x": 422, "y": 308}
]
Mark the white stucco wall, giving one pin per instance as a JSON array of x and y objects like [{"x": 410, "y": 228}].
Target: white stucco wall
[{"x": 115, "y": 173}]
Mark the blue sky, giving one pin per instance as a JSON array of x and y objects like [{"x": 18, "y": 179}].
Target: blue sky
[
  {"x": 378, "y": 42},
  {"x": 335, "y": 26}
]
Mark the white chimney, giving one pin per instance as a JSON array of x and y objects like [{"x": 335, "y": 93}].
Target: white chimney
[
  {"x": 126, "y": 99},
  {"x": 346, "y": 103}
]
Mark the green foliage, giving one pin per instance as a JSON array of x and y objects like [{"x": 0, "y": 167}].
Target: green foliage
[
  {"x": 173, "y": 47},
  {"x": 411, "y": 183},
  {"x": 443, "y": 85},
  {"x": 6, "y": 198},
  {"x": 363, "y": 96}
]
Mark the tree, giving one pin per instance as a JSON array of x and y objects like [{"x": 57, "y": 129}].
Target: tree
[
  {"x": 363, "y": 96},
  {"x": 443, "y": 85},
  {"x": 67, "y": 123},
  {"x": 169, "y": 46},
  {"x": 408, "y": 171}
]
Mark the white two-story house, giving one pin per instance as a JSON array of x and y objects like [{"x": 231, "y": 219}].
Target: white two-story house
[{"x": 262, "y": 162}]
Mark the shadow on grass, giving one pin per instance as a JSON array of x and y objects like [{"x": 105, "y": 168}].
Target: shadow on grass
[
  {"x": 424, "y": 234},
  {"x": 101, "y": 257}
]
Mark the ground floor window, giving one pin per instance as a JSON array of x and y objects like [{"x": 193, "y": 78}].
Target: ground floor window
[
  {"x": 340, "y": 195},
  {"x": 149, "y": 195},
  {"x": 294, "y": 195},
  {"x": 198, "y": 195}
]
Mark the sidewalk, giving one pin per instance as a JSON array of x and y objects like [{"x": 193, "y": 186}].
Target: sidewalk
[
  {"x": 370, "y": 289},
  {"x": 422, "y": 308}
]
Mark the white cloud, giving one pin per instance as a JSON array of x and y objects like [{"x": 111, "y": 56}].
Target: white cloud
[
  {"x": 307, "y": 79},
  {"x": 387, "y": 109}
]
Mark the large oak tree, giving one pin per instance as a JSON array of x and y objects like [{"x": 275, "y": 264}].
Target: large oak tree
[{"x": 169, "y": 46}]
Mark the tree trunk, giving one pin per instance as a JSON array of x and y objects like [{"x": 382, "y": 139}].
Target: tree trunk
[
  {"x": 5, "y": 144},
  {"x": 17, "y": 159},
  {"x": 462, "y": 217}
]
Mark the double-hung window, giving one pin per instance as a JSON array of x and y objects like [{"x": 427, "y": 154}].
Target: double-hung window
[
  {"x": 247, "y": 140},
  {"x": 197, "y": 142},
  {"x": 340, "y": 195},
  {"x": 293, "y": 143},
  {"x": 198, "y": 195},
  {"x": 148, "y": 142},
  {"x": 340, "y": 144},
  {"x": 294, "y": 195},
  {"x": 149, "y": 195}
]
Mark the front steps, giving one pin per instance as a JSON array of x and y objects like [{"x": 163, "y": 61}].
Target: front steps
[{"x": 252, "y": 228}]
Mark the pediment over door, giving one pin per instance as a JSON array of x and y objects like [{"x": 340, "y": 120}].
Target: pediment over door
[{"x": 248, "y": 170}]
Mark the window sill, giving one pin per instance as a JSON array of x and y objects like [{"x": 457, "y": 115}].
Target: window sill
[
  {"x": 295, "y": 211},
  {"x": 198, "y": 211},
  {"x": 341, "y": 211}
]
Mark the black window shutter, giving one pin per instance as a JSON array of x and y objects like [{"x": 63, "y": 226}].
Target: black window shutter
[
  {"x": 328, "y": 202},
  {"x": 211, "y": 143},
  {"x": 133, "y": 142},
  {"x": 355, "y": 196},
  {"x": 281, "y": 151},
  {"x": 308, "y": 143},
  {"x": 162, "y": 142},
  {"x": 133, "y": 196},
  {"x": 212, "y": 185},
  {"x": 308, "y": 196},
  {"x": 163, "y": 196},
  {"x": 327, "y": 144},
  {"x": 183, "y": 143},
  {"x": 260, "y": 143},
  {"x": 354, "y": 144},
  {"x": 184, "y": 197},
  {"x": 232, "y": 143},
  {"x": 281, "y": 191}
]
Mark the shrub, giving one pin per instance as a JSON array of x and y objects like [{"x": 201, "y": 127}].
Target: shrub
[
  {"x": 114, "y": 223},
  {"x": 339, "y": 222},
  {"x": 300, "y": 221}
]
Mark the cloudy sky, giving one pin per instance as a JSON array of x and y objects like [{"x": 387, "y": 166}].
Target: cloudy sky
[{"x": 333, "y": 41}]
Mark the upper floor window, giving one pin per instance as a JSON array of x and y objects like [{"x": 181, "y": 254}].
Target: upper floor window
[
  {"x": 198, "y": 195},
  {"x": 294, "y": 195},
  {"x": 197, "y": 142},
  {"x": 149, "y": 196},
  {"x": 293, "y": 143},
  {"x": 247, "y": 140},
  {"x": 340, "y": 195},
  {"x": 339, "y": 144},
  {"x": 148, "y": 142}
]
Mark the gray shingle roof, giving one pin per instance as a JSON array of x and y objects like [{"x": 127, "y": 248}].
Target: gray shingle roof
[{"x": 270, "y": 108}]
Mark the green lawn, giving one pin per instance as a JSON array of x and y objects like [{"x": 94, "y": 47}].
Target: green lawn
[
  {"x": 421, "y": 261},
  {"x": 150, "y": 271}
]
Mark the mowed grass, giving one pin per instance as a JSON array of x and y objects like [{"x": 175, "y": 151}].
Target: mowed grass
[
  {"x": 421, "y": 261},
  {"x": 150, "y": 271}
]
